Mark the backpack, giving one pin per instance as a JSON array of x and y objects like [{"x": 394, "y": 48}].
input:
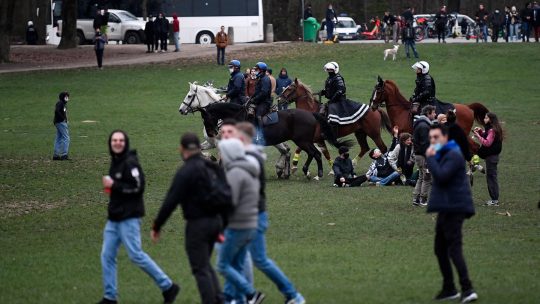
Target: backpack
[{"x": 217, "y": 197}]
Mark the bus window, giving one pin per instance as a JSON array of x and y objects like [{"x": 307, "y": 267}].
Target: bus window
[
  {"x": 252, "y": 8},
  {"x": 234, "y": 7},
  {"x": 206, "y": 8}
]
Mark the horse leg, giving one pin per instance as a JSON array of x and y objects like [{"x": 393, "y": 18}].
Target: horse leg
[
  {"x": 318, "y": 159},
  {"x": 361, "y": 137},
  {"x": 324, "y": 150},
  {"x": 283, "y": 163},
  {"x": 295, "y": 160}
]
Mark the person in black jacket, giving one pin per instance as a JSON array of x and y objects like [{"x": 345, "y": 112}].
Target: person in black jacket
[
  {"x": 526, "y": 19},
  {"x": 330, "y": 21},
  {"x": 202, "y": 225},
  {"x": 424, "y": 92},
  {"x": 60, "y": 121},
  {"x": 161, "y": 31},
  {"x": 441, "y": 19},
  {"x": 481, "y": 18},
  {"x": 421, "y": 143},
  {"x": 31, "y": 34},
  {"x": 262, "y": 98},
  {"x": 456, "y": 133},
  {"x": 98, "y": 20},
  {"x": 236, "y": 88},
  {"x": 451, "y": 198},
  {"x": 308, "y": 11},
  {"x": 125, "y": 186},
  {"x": 344, "y": 175},
  {"x": 496, "y": 20},
  {"x": 149, "y": 34}
]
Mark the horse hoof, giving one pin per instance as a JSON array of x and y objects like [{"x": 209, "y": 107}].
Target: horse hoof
[
  {"x": 316, "y": 178},
  {"x": 331, "y": 172},
  {"x": 294, "y": 169}
]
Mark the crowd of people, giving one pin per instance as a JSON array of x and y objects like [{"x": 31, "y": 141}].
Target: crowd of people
[{"x": 512, "y": 24}]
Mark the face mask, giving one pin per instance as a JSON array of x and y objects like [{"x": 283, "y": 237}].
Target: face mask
[
  {"x": 346, "y": 155},
  {"x": 331, "y": 74},
  {"x": 231, "y": 70},
  {"x": 437, "y": 146},
  {"x": 66, "y": 99}
]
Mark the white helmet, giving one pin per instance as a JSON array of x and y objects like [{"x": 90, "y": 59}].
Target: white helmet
[
  {"x": 422, "y": 65},
  {"x": 30, "y": 23},
  {"x": 331, "y": 66}
]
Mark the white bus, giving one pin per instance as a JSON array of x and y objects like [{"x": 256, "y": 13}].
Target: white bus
[{"x": 200, "y": 20}]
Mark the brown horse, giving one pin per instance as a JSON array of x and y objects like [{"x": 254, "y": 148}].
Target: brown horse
[
  {"x": 369, "y": 125},
  {"x": 399, "y": 109}
]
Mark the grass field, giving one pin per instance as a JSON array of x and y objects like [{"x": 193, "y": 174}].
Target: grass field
[{"x": 378, "y": 249}]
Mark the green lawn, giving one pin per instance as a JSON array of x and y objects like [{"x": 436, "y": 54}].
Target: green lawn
[{"x": 378, "y": 249}]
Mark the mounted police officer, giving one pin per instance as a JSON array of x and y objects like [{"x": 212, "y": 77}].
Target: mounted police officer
[
  {"x": 262, "y": 99},
  {"x": 334, "y": 87},
  {"x": 236, "y": 89},
  {"x": 424, "y": 93}
]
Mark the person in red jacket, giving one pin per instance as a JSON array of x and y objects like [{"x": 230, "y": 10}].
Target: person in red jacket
[{"x": 176, "y": 32}]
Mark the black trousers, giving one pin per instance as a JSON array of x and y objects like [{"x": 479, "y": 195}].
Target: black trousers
[
  {"x": 201, "y": 235},
  {"x": 99, "y": 56},
  {"x": 491, "y": 176},
  {"x": 448, "y": 246},
  {"x": 150, "y": 43},
  {"x": 220, "y": 56},
  {"x": 441, "y": 33},
  {"x": 352, "y": 181},
  {"x": 495, "y": 33},
  {"x": 156, "y": 41},
  {"x": 163, "y": 39}
]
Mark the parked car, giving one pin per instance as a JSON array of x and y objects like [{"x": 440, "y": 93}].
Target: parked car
[
  {"x": 346, "y": 29},
  {"x": 123, "y": 26}
]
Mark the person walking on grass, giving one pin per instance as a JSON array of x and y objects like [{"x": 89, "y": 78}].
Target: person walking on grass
[
  {"x": 176, "y": 32},
  {"x": 242, "y": 176},
  {"x": 421, "y": 143},
  {"x": 451, "y": 199},
  {"x": 408, "y": 39},
  {"x": 245, "y": 132},
  {"x": 60, "y": 121},
  {"x": 125, "y": 185},
  {"x": 99, "y": 48},
  {"x": 203, "y": 226},
  {"x": 491, "y": 139},
  {"x": 222, "y": 40}
]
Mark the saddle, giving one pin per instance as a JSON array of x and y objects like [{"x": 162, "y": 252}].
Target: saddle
[
  {"x": 270, "y": 119},
  {"x": 442, "y": 107}
]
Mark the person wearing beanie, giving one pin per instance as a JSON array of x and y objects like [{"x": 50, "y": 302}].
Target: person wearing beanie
[
  {"x": 60, "y": 121},
  {"x": 242, "y": 176},
  {"x": 188, "y": 189},
  {"x": 344, "y": 175},
  {"x": 125, "y": 186}
]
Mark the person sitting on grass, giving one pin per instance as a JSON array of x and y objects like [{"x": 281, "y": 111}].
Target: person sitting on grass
[
  {"x": 401, "y": 158},
  {"x": 380, "y": 171},
  {"x": 344, "y": 175}
]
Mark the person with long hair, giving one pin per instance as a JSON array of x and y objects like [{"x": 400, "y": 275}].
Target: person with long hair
[{"x": 491, "y": 138}]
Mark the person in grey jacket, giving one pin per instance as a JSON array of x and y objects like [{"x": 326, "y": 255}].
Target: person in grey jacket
[{"x": 242, "y": 176}]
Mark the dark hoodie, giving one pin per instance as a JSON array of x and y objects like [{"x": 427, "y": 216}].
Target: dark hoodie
[
  {"x": 60, "y": 110},
  {"x": 282, "y": 82},
  {"x": 126, "y": 199},
  {"x": 421, "y": 127}
]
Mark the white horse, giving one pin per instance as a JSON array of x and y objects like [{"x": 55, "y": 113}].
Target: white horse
[{"x": 199, "y": 97}]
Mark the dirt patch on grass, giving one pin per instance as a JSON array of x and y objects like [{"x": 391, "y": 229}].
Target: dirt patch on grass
[{"x": 18, "y": 208}]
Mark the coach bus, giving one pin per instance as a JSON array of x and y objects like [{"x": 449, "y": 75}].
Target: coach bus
[{"x": 200, "y": 20}]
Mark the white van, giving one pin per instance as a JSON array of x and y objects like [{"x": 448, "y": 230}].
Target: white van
[{"x": 346, "y": 29}]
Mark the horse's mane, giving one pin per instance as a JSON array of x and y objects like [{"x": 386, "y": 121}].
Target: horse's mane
[
  {"x": 400, "y": 97},
  {"x": 309, "y": 92},
  {"x": 209, "y": 91}
]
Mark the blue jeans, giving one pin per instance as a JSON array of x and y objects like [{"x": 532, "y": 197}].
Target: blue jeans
[
  {"x": 176, "y": 36},
  {"x": 485, "y": 32},
  {"x": 128, "y": 233},
  {"x": 513, "y": 31},
  {"x": 386, "y": 180},
  {"x": 329, "y": 30},
  {"x": 410, "y": 43},
  {"x": 61, "y": 143},
  {"x": 257, "y": 247},
  {"x": 220, "y": 56},
  {"x": 231, "y": 262}
]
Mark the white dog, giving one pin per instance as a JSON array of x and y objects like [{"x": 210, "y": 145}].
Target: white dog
[{"x": 392, "y": 52}]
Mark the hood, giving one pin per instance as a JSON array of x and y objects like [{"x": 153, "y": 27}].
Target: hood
[
  {"x": 419, "y": 118},
  {"x": 233, "y": 154},
  {"x": 284, "y": 76},
  {"x": 62, "y": 96},
  {"x": 175, "y": 16},
  {"x": 126, "y": 148}
]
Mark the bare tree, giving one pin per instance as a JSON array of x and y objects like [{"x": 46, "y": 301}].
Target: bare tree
[
  {"x": 69, "y": 25},
  {"x": 6, "y": 25}
]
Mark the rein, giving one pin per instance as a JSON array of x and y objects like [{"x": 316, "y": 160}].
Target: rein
[{"x": 188, "y": 105}]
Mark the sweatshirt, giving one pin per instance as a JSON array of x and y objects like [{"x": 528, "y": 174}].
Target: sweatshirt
[{"x": 242, "y": 176}]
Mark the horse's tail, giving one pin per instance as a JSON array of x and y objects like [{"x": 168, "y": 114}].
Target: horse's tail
[
  {"x": 479, "y": 110},
  {"x": 385, "y": 121},
  {"x": 329, "y": 134}
]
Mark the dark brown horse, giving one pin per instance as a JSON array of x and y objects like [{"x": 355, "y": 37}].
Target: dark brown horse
[
  {"x": 369, "y": 125},
  {"x": 399, "y": 109}
]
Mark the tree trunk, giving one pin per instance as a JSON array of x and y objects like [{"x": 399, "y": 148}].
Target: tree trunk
[
  {"x": 6, "y": 25},
  {"x": 69, "y": 25}
]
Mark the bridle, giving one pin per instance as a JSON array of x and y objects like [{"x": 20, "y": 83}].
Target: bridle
[
  {"x": 382, "y": 103},
  {"x": 188, "y": 105},
  {"x": 291, "y": 98}
]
